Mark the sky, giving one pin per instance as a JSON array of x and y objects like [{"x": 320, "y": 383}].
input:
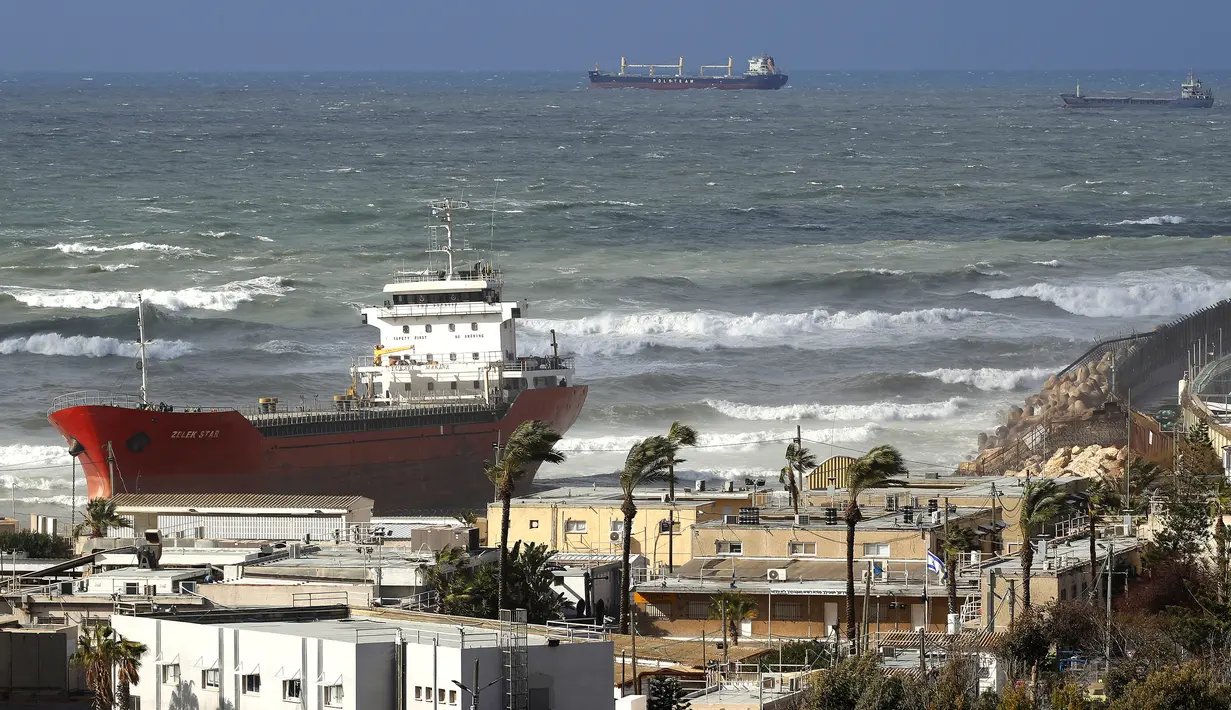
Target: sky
[{"x": 570, "y": 35}]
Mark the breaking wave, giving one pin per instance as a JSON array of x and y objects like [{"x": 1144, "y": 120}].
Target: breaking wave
[
  {"x": 91, "y": 346},
  {"x": 615, "y": 333},
  {"x": 1152, "y": 221},
  {"x": 989, "y": 379},
  {"x": 226, "y": 297},
  {"x": 876, "y": 412},
  {"x": 29, "y": 455},
  {"x": 1166, "y": 292},
  {"x": 741, "y": 441},
  {"x": 81, "y": 248}
]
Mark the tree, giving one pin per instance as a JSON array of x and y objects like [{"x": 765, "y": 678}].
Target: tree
[
  {"x": 99, "y": 518},
  {"x": 1185, "y": 521},
  {"x": 1042, "y": 500},
  {"x": 841, "y": 687},
  {"x": 679, "y": 435},
  {"x": 1027, "y": 642},
  {"x": 666, "y": 693},
  {"x": 798, "y": 462},
  {"x": 647, "y": 462},
  {"x": 1189, "y": 686},
  {"x": 532, "y": 442},
  {"x": 128, "y": 668},
  {"x": 97, "y": 650},
  {"x": 736, "y": 607},
  {"x": 1197, "y": 455},
  {"x": 958, "y": 541},
  {"x": 879, "y": 467},
  {"x": 36, "y": 544},
  {"x": 1220, "y": 507},
  {"x": 1101, "y": 497},
  {"x": 466, "y": 590},
  {"x": 806, "y": 653}
]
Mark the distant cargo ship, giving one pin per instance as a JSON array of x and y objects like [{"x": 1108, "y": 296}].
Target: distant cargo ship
[
  {"x": 761, "y": 74},
  {"x": 1192, "y": 95}
]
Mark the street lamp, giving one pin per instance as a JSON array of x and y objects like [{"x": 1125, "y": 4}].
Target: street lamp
[{"x": 474, "y": 694}]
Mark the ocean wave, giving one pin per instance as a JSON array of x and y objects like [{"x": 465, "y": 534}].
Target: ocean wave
[
  {"x": 737, "y": 441},
  {"x": 876, "y": 412},
  {"x": 1052, "y": 263},
  {"x": 31, "y": 455},
  {"x": 1166, "y": 292},
  {"x": 878, "y": 272},
  {"x": 989, "y": 379},
  {"x": 1151, "y": 221},
  {"x": 80, "y": 248},
  {"x": 63, "y": 500},
  {"x": 117, "y": 267},
  {"x": 226, "y": 297},
  {"x": 40, "y": 483},
  {"x": 92, "y": 346}
]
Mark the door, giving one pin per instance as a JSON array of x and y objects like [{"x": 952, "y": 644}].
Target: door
[
  {"x": 918, "y": 616},
  {"x": 831, "y": 617}
]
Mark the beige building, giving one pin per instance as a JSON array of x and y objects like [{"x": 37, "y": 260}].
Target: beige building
[{"x": 589, "y": 520}]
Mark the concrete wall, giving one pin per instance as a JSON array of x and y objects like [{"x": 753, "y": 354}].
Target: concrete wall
[
  {"x": 284, "y": 594},
  {"x": 37, "y": 659},
  {"x": 907, "y": 543}
]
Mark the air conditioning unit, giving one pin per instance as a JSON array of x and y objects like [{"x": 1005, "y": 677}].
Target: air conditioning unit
[
  {"x": 935, "y": 516},
  {"x": 615, "y": 536},
  {"x": 730, "y": 520},
  {"x": 891, "y": 502},
  {"x": 974, "y": 557},
  {"x": 802, "y": 519},
  {"x": 889, "y": 652},
  {"x": 777, "y": 575}
]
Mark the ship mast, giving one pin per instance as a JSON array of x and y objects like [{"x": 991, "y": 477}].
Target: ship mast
[
  {"x": 443, "y": 210},
  {"x": 141, "y": 346}
]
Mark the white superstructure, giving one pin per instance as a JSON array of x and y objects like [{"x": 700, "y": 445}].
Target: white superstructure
[{"x": 447, "y": 334}]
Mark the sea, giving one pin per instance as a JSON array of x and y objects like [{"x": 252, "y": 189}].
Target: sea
[{"x": 872, "y": 258}]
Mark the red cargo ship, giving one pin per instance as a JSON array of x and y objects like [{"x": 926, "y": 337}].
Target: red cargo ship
[{"x": 422, "y": 415}]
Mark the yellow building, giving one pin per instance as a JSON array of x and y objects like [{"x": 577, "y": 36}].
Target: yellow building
[{"x": 589, "y": 520}]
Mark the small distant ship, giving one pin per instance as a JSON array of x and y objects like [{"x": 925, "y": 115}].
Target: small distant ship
[
  {"x": 761, "y": 74},
  {"x": 1192, "y": 95}
]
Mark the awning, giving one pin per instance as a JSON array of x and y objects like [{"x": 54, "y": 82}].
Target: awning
[
  {"x": 167, "y": 662},
  {"x": 200, "y": 663},
  {"x": 244, "y": 669},
  {"x": 324, "y": 680},
  {"x": 282, "y": 674}
]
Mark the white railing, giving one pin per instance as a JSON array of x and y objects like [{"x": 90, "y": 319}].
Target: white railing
[{"x": 95, "y": 398}]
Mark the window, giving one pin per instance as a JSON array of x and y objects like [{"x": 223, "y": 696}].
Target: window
[
  {"x": 453, "y": 697},
  {"x": 617, "y": 526},
  {"x": 251, "y": 683},
  {"x": 440, "y": 695},
  {"x": 171, "y": 674},
  {"x": 478, "y": 385},
  {"x": 875, "y": 549},
  {"x": 452, "y": 357},
  {"x": 427, "y": 329},
  {"x": 291, "y": 689},
  {"x": 209, "y": 678},
  {"x": 796, "y": 548},
  {"x": 662, "y": 610},
  {"x": 453, "y": 385},
  {"x": 452, "y": 327},
  {"x": 431, "y": 385},
  {"x": 474, "y": 326},
  {"x": 418, "y": 692},
  {"x": 727, "y": 547},
  {"x": 405, "y": 329},
  {"x": 698, "y": 610},
  {"x": 333, "y": 695},
  {"x": 474, "y": 356},
  {"x": 534, "y": 524},
  {"x": 788, "y": 610},
  {"x": 574, "y": 526},
  {"x": 132, "y": 588}
]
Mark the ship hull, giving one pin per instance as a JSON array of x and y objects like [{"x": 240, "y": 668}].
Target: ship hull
[
  {"x": 605, "y": 80},
  {"x": 1074, "y": 101},
  {"x": 438, "y": 466}
]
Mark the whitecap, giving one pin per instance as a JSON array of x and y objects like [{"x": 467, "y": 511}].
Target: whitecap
[
  {"x": 91, "y": 346},
  {"x": 1165, "y": 292},
  {"x": 1151, "y": 221},
  {"x": 81, "y": 248},
  {"x": 226, "y": 297},
  {"x": 989, "y": 379},
  {"x": 875, "y": 412},
  {"x": 734, "y": 441}
]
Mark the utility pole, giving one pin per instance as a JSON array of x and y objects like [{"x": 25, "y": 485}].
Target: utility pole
[
  {"x": 1111, "y": 543},
  {"x": 724, "y": 636},
  {"x": 867, "y": 597},
  {"x": 1013, "y": 599}
]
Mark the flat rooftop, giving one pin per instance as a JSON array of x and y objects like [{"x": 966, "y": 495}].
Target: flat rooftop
[
  {"x": 242, "y": 503},
  {"x": 873, "y": 520},
  {"x": 612, "y": 495}
]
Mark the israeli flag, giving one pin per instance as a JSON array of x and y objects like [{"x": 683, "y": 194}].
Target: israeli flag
[{"x": 935, "y": 564}]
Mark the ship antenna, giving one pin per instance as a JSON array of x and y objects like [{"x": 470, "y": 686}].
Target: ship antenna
[{"x": 141, "y": 346}]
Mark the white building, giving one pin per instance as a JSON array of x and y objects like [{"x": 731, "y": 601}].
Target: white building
[{"x": 248, "y": 659}]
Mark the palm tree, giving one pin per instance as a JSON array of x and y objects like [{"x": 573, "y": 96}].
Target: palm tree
[
  {"x": 736, "y": 607},
  {"x": 679, "y": 435},
  {"x": 532, "y": 442},
  {"x": 799, "y": 461},
  {"x": 958, "y": 541},
  {"x": 99, "y": 518},
  {"x": 128, "y": 667},
  {"x": 1102, "y": 495},
  {"x": 97, "y": 651},
  {"x": 647, "y": 462},
  {"x": 1042, "y": 500},
  {"x": 879, "y": 467}
]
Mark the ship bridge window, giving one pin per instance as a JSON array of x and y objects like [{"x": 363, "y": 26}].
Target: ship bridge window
[
  {"x": 405, "y": 329},
  {"x": 474, "y": 326},
  {"x": 452, "y": 357},
  {"x": 476, "y": 356},
  {"x": 427, "y": 329},
  {"x": 452, "y": 327}
]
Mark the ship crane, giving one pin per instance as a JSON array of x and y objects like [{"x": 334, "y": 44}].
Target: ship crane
[{"x": 378, "y": 352}]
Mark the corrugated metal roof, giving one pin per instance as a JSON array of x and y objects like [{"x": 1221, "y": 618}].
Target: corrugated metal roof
[{"x": 233, "y": 501}]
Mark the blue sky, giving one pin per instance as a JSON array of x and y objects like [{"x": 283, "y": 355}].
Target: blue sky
[{"x": 396, "y": 35}]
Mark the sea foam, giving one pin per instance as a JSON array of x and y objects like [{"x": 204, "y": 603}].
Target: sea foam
[
  {"x": 1151, "y": 221},
  {"x": 226, "y": 297},
  {"x": 83, "y": 248},
  {"x": 989, "y": 379},
  {"x": 91, "y": 346},
  {"x": 738, "y": 441}
]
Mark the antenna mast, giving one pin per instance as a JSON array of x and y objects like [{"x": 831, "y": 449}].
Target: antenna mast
[
  {"x": 141, "y": 345},
  {"x": 443, "y": 210}
]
